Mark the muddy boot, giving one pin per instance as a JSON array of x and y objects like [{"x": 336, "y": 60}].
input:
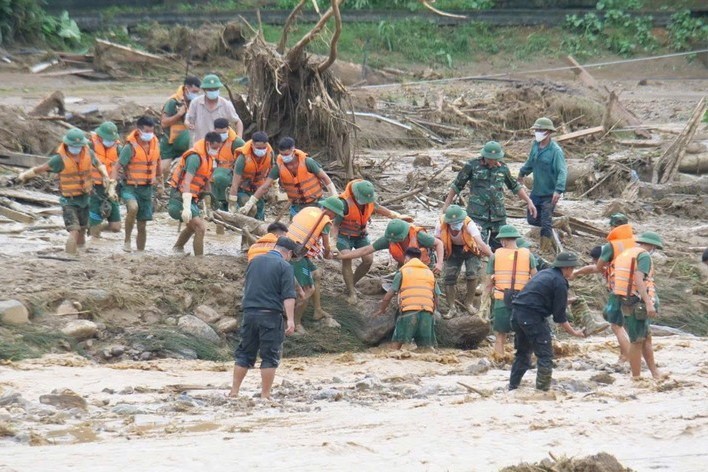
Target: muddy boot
[
  {"x": 543, "y": 378},
  {"x": 451, "y": 296},
  {"x": 563, "y": 223},
  {"x": 548, "y": 247},
  {"x": 471, "y": 296},
  {"x": 585, "y": 318}
]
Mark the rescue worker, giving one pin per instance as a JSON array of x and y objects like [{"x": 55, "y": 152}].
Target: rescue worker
[
  {"x": 462, "y": 244},
  {"x": 254, "y": 160},
  {"x": 301, "y": 177},
  {"x": 546, "y": 294},
  {"x": 139, "y": 160},
  {"x": 267, "y": 242},
  {"x": 175, "y": 136},
  {"x": 104, "y": 142},
  {"x": 350, "y": 230},
  {"x": 547, "y": 164},
  {"x": 204, "y": 109},
  {"x": 310, "y": 228},
  {"x": 190, "y": 180},
  {"x": 417, "y": 300},
  {"x": 73, "y": 162},
  {"x": 487, "y": 176},
  {"x": 224, "y": 171},
  {"x": 510, "y": 268},
  {"x": 633, "y": 284},
  {"x": 399, "y": 236}
]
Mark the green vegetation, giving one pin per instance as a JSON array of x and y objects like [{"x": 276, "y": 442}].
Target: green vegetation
[
  {"x": 172, "y": 341},
  {"x": 411, "y": 5},
  {"x": 26, "y": 20},
  {"x": 685, "y": 30},
  {"x": 27, "y": 341}
]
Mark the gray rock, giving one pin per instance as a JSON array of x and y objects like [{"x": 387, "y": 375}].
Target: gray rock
[
  {"x": 479, "y": 368},
  {"x": 190, "y": 324},
  {"x": 207, "y": 314},
  {"x": 13, "y": 312},
  {"x": 127, "y": 409},
  {"x": 337, "y": 380},
  {"x": 68, "y": 307},
  {"x": 603, "y": 378},
  {"x": 428, "y": 390},
  {"x": 372, "y": 329},
  {"x": 106, "y": 353},
  {"x": 171, "y": 321},
  {"x": 65, "y": 400},
  {"x": 576, "y": 386},
  {"x": 80, "y": 329},
  {"x": 367, "y": 383},
  {"x": 10, "y": 398},
  {"x": 227, "y": 325},
  {"x": 117, "y": 351},
  {"x": 146, "y": 356},
  {"x": 331, "y": 394},
  {"x": 182, "y": 353},
  {"x": 462, "y": 332}
]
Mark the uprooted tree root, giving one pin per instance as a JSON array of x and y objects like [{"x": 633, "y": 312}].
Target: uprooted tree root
[{"x": 602, "y": 462}]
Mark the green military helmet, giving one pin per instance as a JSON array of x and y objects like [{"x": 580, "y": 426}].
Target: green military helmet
[
  {"x": 75, "y": 137},
  {"x": 397, "y": 230},
  {"x": 455, "y": 214},
  {"x": 211, "y": 81},
  {"x": 521, "y": 242},
  {"x": 508, "y": 232},
  {"x": 333, "y": 204},
  {"x": 566, "y": 259},
  {"x": 618, "y": 219},
  {"x": 650, "y": 237},
  {"x": 544, "y": 124},
  {"x": 364, "y": 192},
  {"x": 108, "y": 131},
  {"x": 492, "y": 150}
]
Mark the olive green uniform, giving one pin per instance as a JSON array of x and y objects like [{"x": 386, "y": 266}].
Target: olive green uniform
[
  {"x": 222, "y": 179},
  {"x": 304, "y": 267},
  {"x": 501, "y": 315},
  {"x": 636, "y": 321},
  {"x": 181, "y": 143},
  {"x": 418, "y": 326},
  {"x": 96, "y": 200},
  {"x": 75, "y": 210},
  {"x": 174, "y": 205},
  {"x": 613, "y": 310},
  {"x": 140, "y": 193},
  {"x": 425, "y": 240}
]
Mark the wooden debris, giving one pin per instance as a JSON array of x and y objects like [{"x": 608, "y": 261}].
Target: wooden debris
[
  {"x": 694, "y": 164},
  {"x": 582, "y": 74},
  {"x": 580, "y": 133},
  {"x": 668, "y": 164},
  {"x": 640, "y": 143},
  {"x": 60, "y": 73},
  {"x": 110, "y": 57},
  {"x": 245, "y": 223},
  {"x": 30, "y": 196},
  {"x": 7, "y": 211},
  {"x": 403, "y": 196},
  {"x": 43, "y": 66},
  {"x": 50, "y": 103},
  {"x": 19, "y": 159}
]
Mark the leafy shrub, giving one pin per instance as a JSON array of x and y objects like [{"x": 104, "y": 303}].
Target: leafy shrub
[
  {"x": 26, "y": 20},
  {"x": 684, "y": 30}
]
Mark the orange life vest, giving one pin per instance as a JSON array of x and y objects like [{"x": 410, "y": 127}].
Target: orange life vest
[
  {"x": 225, "y": 159},
  {"x": 177, "y": 128},
  {"x": 417, "y": 290},
  {"x": 621, "y": 238},
  {"x": 262, "y": 246},
  {"x": 142, "y": 168},
  {"x": 75, "y": 179},
  {"x": 357, "y": 218},
  {"x": 504, "y": 270},
  {"x": 303, "y": 187},
  {"x": 204, "y": 172},
  {"x": 625, "y": 267},
  {"x": 303, "y": 224},
  {"x": 108, "y": 156},
  {"x": 470, "y": 246},
  {"x": 398, "y": 250},
  {"x": 254, "y": 172}
]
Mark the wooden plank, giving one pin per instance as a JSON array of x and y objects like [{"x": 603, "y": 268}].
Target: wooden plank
[
  {"x": 66, "y": 72},
  {"x": 140, "y": 56},
  {"x": 20, "y": 159},
  {"x": 18, "y": 216},
  {"x": 43, "y": 66},
  {"x": 30, "y": 196},
  {"x": 580, "y": 133},
  {"x": 582, "y": 74}
]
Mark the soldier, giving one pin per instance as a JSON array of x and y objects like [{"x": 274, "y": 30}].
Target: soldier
[
  {"x": 254, "y": 160},
  {"x": 204, "y": 109},
  {"x": 544, "y": 295},
  {"x": 224, "y": 171},
  {"x": 487, "y": 177},
  {"x": 175, "y": 135},
  {"x": 302, "y": 178},
  {"x": 462, "y": 243},
  {"x": 73, "y": 162},
  {"x": 350, "y": 231},
  {"x": 633, "y": 284},
  {"x": 267, "y": 242},
  {"x": 190, "y": 180},
  {"x": 140, "y": 158},
  {"x": 104, "y": 142},
  {"x": 547, "y": 164}
]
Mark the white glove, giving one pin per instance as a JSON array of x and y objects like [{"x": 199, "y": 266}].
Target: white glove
[
  {"x": 207, "y": 207},
  {"x": 246, "y": 209},
  {"x": 186, "y": 207},
  {"x": 332, "y": 190},
  {"x": 26, "y": 175},
  {"x": 397, "y": 216},
  {"x": 111, "y": 190},
  {"x": 233, "y": 203}
]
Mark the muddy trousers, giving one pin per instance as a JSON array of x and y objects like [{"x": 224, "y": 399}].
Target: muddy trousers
[
  {"x": 532, "y": 338},
  {"x": 544, "y": 217}
]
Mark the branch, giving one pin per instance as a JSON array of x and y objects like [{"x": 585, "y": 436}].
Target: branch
[
  {"x": 440, "y": 12},
  {"x": 288, "y": 24},
  {"x": 297, "y": 49},
  {"x": 335, "y": 38}
]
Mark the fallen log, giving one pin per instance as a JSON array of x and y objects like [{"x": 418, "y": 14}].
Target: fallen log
[
  {"x": 694, "y": 164},
  {"x": 54, "y": 101},
  {"x": 659, "y": 191},
  {"x": 15, "y": 214},
  {"x": 580, "y": 133},
  {"x": 19, "y": 159},
  {"x": 668, "y": 164},
  {"x": 254, "y": 226},
  {"x": 402, "y": 196}
]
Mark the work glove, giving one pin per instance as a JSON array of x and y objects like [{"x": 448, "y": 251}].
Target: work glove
[
  {"x": 246, "y": 209},
  {"x": 25, "y": 176},
  {"x": 332, "y": 190},
  {"x": 111, "y": 190},
  {"x": 186, "y": 207},
  {"x": 233, "y": 203},
  {"x": 396, "y": 215},
  {"x": 207, "y": 206}
]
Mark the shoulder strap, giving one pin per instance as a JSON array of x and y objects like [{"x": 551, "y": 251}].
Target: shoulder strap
[{"x": 513, "y": 270}]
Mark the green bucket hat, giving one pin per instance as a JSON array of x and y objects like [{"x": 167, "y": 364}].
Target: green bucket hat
[
  {"x": 544, "y": 124},
  {"x": 618, "y": 219},
  {"x": 508, "y": 232},
  {"x": 397, "y": 230},
  {"x": 75, "y": 137},
  {"x": 566, "y": 259},
  {"x": 492, "y": 150},
  {"x": 108, "y": 130},
  {"x": 650, "y": 237},
  {"x": 455, "y": 214},
  {"x": 333, "y": 204},
  {"x": 521, "y": 242},
  {"x": 211, "y": 81},
  {"x": 364, "y": 192}
]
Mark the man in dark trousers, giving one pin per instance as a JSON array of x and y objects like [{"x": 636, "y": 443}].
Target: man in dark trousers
[
  {"x": 268, "y": 301},
  {"x": 544, "y": 295}
]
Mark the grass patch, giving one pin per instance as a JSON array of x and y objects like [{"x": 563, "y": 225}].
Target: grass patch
[
  {"x": 170, "y": 341},
  {"x": 19, "y": 342},
  {"x": 682, "y": 296}
]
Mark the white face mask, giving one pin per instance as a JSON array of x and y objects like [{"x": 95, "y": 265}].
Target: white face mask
[
  {"x": 212, "y": 94},
  {"x": 224, "y": 136},
  {"x": 108, "y": 143},
  {"x": 259, "y": 152},
  {"x": 146, "y": 136},
  {"x": 456, "y": 226},
  {"x": 212, "y": 152},
  {"x": 539, "y": 136},
  {"x": 74, "y": 149},
  {"x": 191, "y": 96},
  {"x": 287, "y": 158}
]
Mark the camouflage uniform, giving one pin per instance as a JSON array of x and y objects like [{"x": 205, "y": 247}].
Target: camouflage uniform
[{"x": 486, "y": 201}]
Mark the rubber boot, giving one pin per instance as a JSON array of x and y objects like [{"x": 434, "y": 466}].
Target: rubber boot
[
  {"x": 543, "y": 378},
  {"x": 471, "y": 295},
  {"x": 451, "y": 295},
  {"x": 548, "y": 247},
  {"x": 585, "y": 318}
]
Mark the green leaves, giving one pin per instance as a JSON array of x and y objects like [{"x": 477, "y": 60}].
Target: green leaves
[{"x": 26, "y": 20}]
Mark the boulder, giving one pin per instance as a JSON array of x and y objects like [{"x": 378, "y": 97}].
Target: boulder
[
  {"x": 68, "y": 307},
  {"x": 207, "y": 314},
  {"x": 462, "y": 332},
  {"x": 80, "y": 329},
  {"x": 96, "y": 298},
  {"x": 13, "y": 312},
  {"x": 65, "y": 400},
  {"x": 372, "y": 330},
  {"x": 227, "y": 325},
  {"x": 192, "y": 325}
]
